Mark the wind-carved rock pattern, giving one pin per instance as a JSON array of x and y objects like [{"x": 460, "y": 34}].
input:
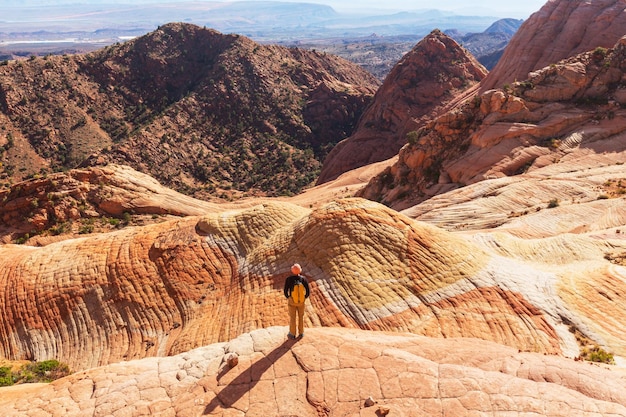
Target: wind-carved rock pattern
[
  {"x": 333, "y": 372},
  {"x": 39, "y": 205},
  {"x": 426, "y": 80},
  {"x": 170, "y": 287}
]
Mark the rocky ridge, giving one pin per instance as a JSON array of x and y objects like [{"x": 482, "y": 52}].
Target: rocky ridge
[
  {"x": 563, "y": 114},
  {"x": 532, "y": 257},
  {"x": 204, "y": 113},
  {"x": 89, "y": 200},
  {"x": 417, "y": 89},
  {"x": 559, "y": 30},
  {"x": 261, "y": 373}
]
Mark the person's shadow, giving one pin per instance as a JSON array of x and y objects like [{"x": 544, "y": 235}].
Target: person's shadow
[{"x": 246, "y": 380}]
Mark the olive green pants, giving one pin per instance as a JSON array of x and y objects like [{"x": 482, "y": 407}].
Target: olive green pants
[{"x": 296, "y": 309}]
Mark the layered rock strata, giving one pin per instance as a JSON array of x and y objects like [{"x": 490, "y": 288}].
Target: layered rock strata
[
  {"x": 166, "y": 288},
  {"x": 565, "y": 114},
  {"x": 559, "y": 30}
]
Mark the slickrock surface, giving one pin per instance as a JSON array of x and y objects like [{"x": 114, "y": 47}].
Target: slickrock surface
[
  {"x": 38, "y": 205},
  {"x": 57, "y": 206},
  {"x": 561, "y": 29},
  {"x": 587, "y": 194},
  {"x": 166, "y": 288},
  {"x": 424, "y": 82},
  {"x": 333, "y": 372},
  {"x": 565, "y": 114}
]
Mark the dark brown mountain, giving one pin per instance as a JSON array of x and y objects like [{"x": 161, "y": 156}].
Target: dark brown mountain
[
  {"x": 203, "y": 112},
  {"x": 417, "y": 89}
]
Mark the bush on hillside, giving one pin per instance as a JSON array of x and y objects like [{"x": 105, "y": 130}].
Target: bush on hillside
[{"x": 44, "y": 371}]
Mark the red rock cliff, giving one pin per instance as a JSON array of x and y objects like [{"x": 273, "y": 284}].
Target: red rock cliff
[
  {"x": 427, "y": 78},
  {"x": 561, "y": 29}
]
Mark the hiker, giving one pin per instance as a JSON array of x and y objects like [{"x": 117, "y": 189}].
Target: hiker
[{"x": 296, "y": 291}]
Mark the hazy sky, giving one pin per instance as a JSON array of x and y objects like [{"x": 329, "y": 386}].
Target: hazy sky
[
  {"x": 518, "y": 9},
  {"x": 500, "y": 8}
]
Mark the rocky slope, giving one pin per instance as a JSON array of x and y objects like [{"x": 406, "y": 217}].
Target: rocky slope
[
  {"x": 84, "y": 201},
  {"x": 166, "y": 288},
  {"x": 203, "y": 112},
  {"x": 564, "y": 114},
  {"x": 420, "y": 85},
  {"x": 333, "y": 372},
  {"x": 559, "y": 30}
]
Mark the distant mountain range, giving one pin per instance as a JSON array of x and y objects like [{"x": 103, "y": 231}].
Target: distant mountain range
[
  {"x": 376, "y": 41},
  {"x": 261, "y": 21}
]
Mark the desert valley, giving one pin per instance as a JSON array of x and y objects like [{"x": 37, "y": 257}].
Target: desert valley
[{"x": 463, "y": 230}]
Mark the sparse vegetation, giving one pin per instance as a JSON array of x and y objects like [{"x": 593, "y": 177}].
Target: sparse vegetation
[
  {"x": 597, "y": 354},
  {"x": 599, "y": 53},
  {"x": 44, "y": 371},
  {"x": 412, "y": 137},
  {"x": 613, "y": 188},
  {"x": 22, "y": 239},
  {"x": 553, "y": 203},
  {"x": 263, "y": 138},
  {"x": 590, "y": 351}
]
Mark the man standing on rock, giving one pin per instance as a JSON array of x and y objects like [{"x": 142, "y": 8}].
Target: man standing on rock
[{"x": 296, "y": 291}]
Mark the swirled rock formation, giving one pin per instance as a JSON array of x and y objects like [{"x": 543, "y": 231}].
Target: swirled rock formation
[
  {"x": 166, "y": 288},
  {"x": 559, "y": 30},
  {"x": 418, "y": 88},
  {"x": 333, "y": 372}
]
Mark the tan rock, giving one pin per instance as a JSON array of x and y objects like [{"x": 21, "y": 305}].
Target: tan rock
[
  {"x": 167, "y": 288},
  {"x": 552, "y": 117},
  {"x": 461, "y": 377}
]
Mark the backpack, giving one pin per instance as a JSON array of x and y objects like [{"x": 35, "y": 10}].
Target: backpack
[{"x": 298, "y": 292}]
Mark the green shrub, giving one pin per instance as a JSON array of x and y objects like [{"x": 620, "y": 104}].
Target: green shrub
[
  {"x": 553, "y": 203},
  {"x": 21, "y": 240},
  {"x": 412, "y": 137},
  {"x": 6, "y": 376},
  {"x": 599, "y": 53},
  {"x": 597, "y": 354},
  {"x": 45, "y": 371}
]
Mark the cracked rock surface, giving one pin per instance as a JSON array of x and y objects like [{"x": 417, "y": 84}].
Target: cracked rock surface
[{"x": 333, "y": 372}]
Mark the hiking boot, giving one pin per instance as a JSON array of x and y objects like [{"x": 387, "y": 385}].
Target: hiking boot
[
  {"x": 301, "y": 336},
  {"x": 290, "y": 336}
]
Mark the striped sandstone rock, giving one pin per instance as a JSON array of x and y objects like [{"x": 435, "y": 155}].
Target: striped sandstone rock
[{"x": 167, "y": 288}]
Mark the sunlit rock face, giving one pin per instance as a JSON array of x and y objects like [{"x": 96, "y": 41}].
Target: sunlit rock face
[
  {"x": 330, "y": 372},
  {"x": 568, "y": 115},
  {"x": 559, "y": 30},
  {"x": 167, "y": 288},
  {"x": 421, "y": 85}
]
